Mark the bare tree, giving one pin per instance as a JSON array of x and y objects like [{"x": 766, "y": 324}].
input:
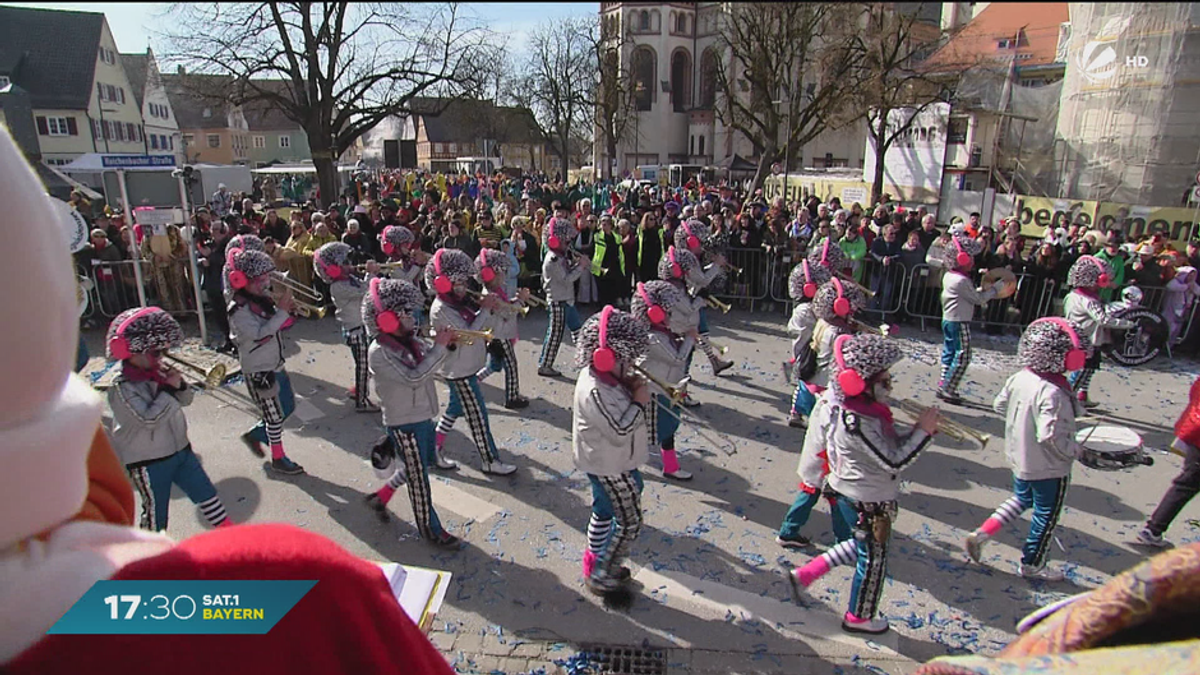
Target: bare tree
[
  {"x": 788, "y": 64},
  {"x": 613, "y": 102},
  {"x": 893, "y": 89},
  {"x": 346, "y": 66},
  {"x": 558, "y": 80}
]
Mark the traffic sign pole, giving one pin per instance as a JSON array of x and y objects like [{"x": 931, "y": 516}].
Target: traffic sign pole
[{"x": 135, "y": 248}]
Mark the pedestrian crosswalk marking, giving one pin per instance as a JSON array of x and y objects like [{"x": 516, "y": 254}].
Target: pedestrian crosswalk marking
[{"x": 462, "y": 503}]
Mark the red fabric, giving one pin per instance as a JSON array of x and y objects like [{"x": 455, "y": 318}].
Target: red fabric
[
  {"x": 348, "y": 623},
  {"x": 861, "y": 405},
  {"x": 1188, "y": 426}
]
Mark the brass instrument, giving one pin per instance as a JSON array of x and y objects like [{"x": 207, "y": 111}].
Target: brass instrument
[
  {"x": 213, "y": 377},
  {"x": 383, "y": 267},
  {"x": 717, "y": 304},
  {"x": 676, "y": 392},
  {"x": 299, "y": 307},
  {"x": 535, "y": 300},
  {"x": 945, "y": 425},
  {"x": 869, "y": 293},
  {"x": 732, "y": 268},
  {"x": 883, "y": 331},
  {"x": 468, "y": 337},
  {"x": 310, "y": 294},
  {"x": 503, "y": 306}
]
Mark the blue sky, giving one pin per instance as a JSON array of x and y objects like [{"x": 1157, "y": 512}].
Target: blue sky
[{"x": 129, "y": 21}]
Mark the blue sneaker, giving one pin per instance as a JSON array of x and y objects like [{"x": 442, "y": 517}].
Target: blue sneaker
[{"x": 286, "y": 466}]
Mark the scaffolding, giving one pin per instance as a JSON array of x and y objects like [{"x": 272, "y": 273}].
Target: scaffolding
[{"x": 1130, "y": 104}]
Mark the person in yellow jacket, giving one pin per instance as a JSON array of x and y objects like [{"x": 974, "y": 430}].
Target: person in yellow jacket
[{"x": 608, "y": 263}]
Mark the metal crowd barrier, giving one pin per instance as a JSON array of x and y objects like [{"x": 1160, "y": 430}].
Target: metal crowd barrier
[
  {"x": 169, "y": 287},
  {"x": 752, "y": 284},
  {"x": 1034, "y": 298},
  {"x": 889, "y": 284}
]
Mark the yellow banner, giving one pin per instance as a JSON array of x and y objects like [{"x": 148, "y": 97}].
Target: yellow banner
[{"x": 1175, "y": 222}]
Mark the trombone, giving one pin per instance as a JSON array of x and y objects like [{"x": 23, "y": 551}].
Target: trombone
[
  {"x": 883, "y": 331},
  {"x": 868, "y": 292},
  {"x": 383, "y": 267},
  {"x": 310, "y": 294},
  {"x": 955, "y": 430},
  {"x": 732, "y": 268},
  {"x": 717, "y": 304},
  {"x": 213, "y": 377},
  {"x": 468, "y": 337},
  {"x": 536, "y": 301},
  {"x": 675, "y": 392},
  {"x": 300, "y": 307}
]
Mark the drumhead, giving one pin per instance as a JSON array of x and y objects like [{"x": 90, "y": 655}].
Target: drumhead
[{"x": 1109, "y": 439}]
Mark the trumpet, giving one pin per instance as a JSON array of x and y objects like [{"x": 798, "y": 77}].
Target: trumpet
[
  {"x": 883, "y": 331},
  {"x": 535, "y": 300},
  {"x": 468, "y": 337},
  {"x": 868, "y": 292},
  {"x": 503, "y": 306},
  {"x": 309, "y": 293},
  {"x": 676, "y": 392},
  {"x": 955, "y": 430},
  {"x": 213, "y": 377},
  {"x": 732, "y": 268},
  {"x": 717, "y": 304},
  {"x": 299, "y": 307},
  {"x": 383, "y": 267}
]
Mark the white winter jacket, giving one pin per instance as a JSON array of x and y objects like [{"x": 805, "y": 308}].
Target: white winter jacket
[
  {"x": 864, "y": 462},
  {"x": 801, "y": 326},
  {"x": 812, "y": 467},
  {"x": 608, "y": 430},
  {"x": 1039, "y": 426},
  {"x": 960, "y": 297},
  {"x": 348, "y": 299},
  {"x": 558, "y": 280},
  {"x": 403, "y": 386},
  {"x": 504, "y": 321},
  {"x": 664, "y": 360},
  {"x": 1092, "y": 317},
  {"x": 259, "y": 341},
  {"x": 463, "y": 360},
  {"x": 148, "y": 420}
]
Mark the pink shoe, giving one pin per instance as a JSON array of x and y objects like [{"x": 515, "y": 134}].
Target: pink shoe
[{"x": 589, "y": 563}]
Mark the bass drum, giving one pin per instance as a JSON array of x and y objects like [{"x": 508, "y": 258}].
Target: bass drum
[{"x": 1142, "y": 343}]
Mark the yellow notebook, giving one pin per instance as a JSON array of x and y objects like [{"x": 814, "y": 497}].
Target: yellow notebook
[{"x": 419, "y": 590}]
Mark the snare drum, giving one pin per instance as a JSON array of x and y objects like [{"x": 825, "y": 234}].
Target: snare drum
[{"x": 1109, "y": 448}]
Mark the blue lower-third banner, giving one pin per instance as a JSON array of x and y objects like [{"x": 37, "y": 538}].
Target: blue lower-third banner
[{"x": 181, "y": 607}]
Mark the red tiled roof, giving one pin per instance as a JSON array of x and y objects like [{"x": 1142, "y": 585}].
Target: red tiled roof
[{"x": 1036, "y": 24}]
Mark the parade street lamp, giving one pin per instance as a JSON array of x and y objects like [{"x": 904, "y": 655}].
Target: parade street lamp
[{"x": 787, "y": 140}]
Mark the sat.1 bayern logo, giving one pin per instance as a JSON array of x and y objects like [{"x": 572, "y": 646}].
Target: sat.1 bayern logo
[{"x": 1098, "y": 61}]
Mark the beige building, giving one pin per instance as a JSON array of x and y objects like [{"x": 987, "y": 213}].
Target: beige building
[
  {"x": 212, "y": 130},
  {"x": 161, "y": 133},
  {"x": 81, "y": 97}
]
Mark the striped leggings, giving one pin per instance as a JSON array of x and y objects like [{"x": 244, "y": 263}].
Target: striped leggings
[
  {"x": 508, "y": 363},
  {"x": 465, "y": 396},
  {"x": 358, "y": 342},
  {"x": 275, "y": 403},
  {"x": 562, "y": 315},
  {"x": 616, "y": 519},
  {"x": 417, "y": 450}
]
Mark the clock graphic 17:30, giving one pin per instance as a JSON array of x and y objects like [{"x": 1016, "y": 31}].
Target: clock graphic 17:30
[{"x": 170, "y": 607}]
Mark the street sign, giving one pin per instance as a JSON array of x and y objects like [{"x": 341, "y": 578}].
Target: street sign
[
  {"x": 132, "y": 161},
  {"x": 173, "y": 216}
]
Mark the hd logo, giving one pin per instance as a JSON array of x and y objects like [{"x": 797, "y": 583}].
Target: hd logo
[{"x": 1098, "y": 61}]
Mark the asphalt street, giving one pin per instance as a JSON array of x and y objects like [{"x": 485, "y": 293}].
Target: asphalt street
[{"x": 706, "y": 563}]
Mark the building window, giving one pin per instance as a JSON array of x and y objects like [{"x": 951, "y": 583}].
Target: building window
[
  {"x": 681, "y": 80},
  {"x": 644, "y": 20},
  {"x": 153, "y": 141},
  {"x": 207, "y": 112},
  {"x": 170, "y": 142},
  {"x": 437, "y": 148},
  {"x": 681, "y": 24},
  {"x": 956, "y": 133},
  {"x": 285, "y": 141},
  {"x": 701, "y": 146},
  {"x": 187, "y": 139},
  {"x": 56, "y": 126},
  {"x": 214, "y": 140},
  {"x": 108, "y": 56},
  {"x": 644, "y": 70},
  {"x": 97, "y": 129},
  {"x": 260, "y": 142}
]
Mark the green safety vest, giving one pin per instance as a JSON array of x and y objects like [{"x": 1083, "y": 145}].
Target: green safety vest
[
  {"x": 598, "y": 254},
  {"x": 662, "y": 235}
]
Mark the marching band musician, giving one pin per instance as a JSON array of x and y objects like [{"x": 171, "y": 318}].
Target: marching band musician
[
  {"x": 610, "y": 440},
  {"x": 149, "y": 426},
  {"x": 672, "y": 337},
  {"x": 1039, "y": 439},
  {"x": 694, "y": 235},
  {"x": 1083, "y": 307},
  {"x": 332, "y": 264},
  {"x": 257, "y": 324},
  {"x": 399, "y": 244},
  {"x": 560, "y": 270},
  {"x": 834, "y": 305},
  {"x": 491, "y": 270},
  {"x": 866, "y": 454},
  {"x": 237, "y": 242},
  {"x": 448, "y": 273},
  {"x": 803, "y": 282},
  {"x": 403, "y": 366},
  {"x": 959, "y": 300}
]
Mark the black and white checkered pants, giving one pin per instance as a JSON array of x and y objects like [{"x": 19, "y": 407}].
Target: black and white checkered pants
[
  {"x": 956, "y": 358},
  {"x": 562, "y": 316},
  {"x": 358, "y": 342},
  {"x": 408, "y": 439},
  {"x": 466, "y": 397},
  {"x": 872, "y": 534},
  {"x": 275, "y": 404},
  {"x": 508, "y": 363},
  {"x": 620, "y": 500}
]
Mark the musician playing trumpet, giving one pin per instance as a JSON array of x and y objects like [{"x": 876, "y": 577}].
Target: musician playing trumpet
[
  {"x": 672, "y": 337},
  {"x": 405, "y": 261},
  {"x": 560, "y": 270},
  {"x": 491, "y": 270},
  {"x": 694, "y": 236},
  {"x": 332, "y": 264},
  {"x": 448, "y": 274}
]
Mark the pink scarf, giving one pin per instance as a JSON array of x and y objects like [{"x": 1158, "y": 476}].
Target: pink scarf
[{"x": 861, "y": 405}]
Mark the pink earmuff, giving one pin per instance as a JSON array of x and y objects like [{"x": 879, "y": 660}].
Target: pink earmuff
[
  {"x": 604, "y": 359},
  {"x": 334, "y": 272},
  {"x": 693, "y": 242},
  {"x": 387, "y": 246},
  {"x": 676, "y": 268},
  {"x": 810, "y": 289},
  {"x": 849, "y": 380},
  {"x": 1104, "y": 280},
  {"x": 1077, "y": 356},
  {"x": 119, "y": 346},
  {"x": 963, "y": 259},
  {"x": 386, "y": 320},
  {"x": 841, "y": 306},
  {"x": 441, "y": 283},
  {"x": 237, "y": 278},
  {"x": 485, "y": 272},
  {"x": 654, "y": 312}
]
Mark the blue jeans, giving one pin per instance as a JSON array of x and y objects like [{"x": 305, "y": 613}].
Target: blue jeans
[
  {"x": 287, "y": 404},
  {"x": 800, "y": 510},
  {"x": 703, "y": 327},
  {"x": 419, "y": 492},
  {"x": 1046, "y": 497},
  {"x": 804, "y": 400},
  {"x": 956, "y": 354},
  {"x": 154, "y": 479}
]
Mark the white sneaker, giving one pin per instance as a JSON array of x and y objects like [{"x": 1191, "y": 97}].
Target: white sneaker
[
  {"x": 679, "y": 474},
  {"x": 974, "y": 545},
  {"x": 445, "y": 464},
  {"x": 499, "y": 469},
  {"x": 1044, "y": 572},
  {"x": 853, "y": 624},
  {"x": 1148, "y": 538}
]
